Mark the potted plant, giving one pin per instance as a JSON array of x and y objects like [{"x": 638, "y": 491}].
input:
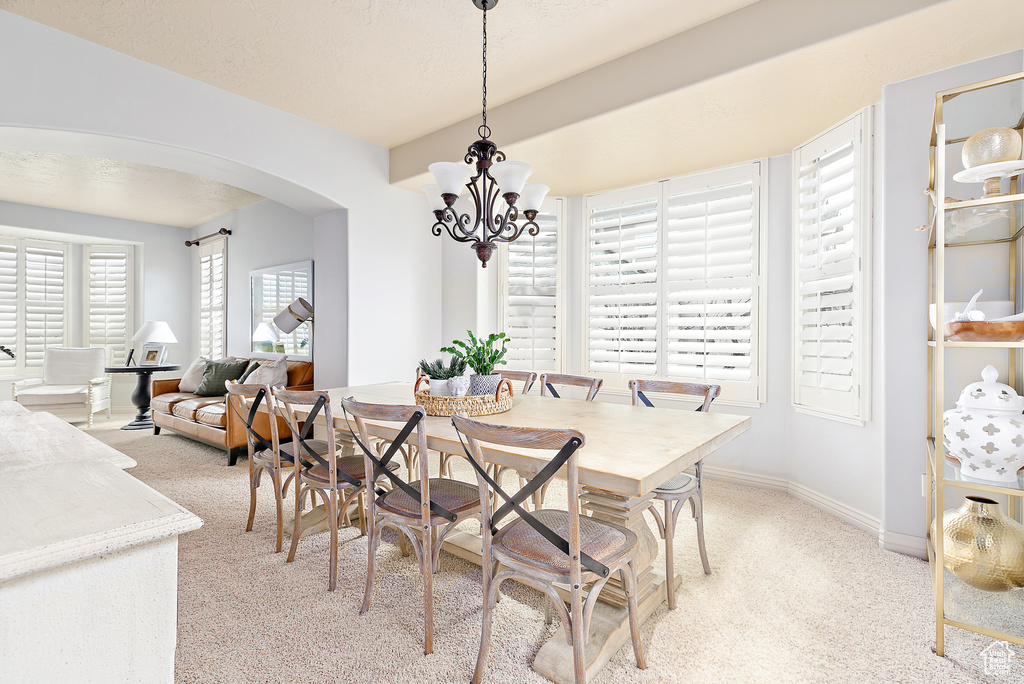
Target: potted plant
[
  {"x": 439, "y": 373},
  {"x": 482, "y": 355}
]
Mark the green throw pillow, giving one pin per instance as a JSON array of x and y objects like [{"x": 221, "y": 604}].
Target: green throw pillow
[
  {"x": 216, "y": 374},
  {"x": 253, "y": 365}
]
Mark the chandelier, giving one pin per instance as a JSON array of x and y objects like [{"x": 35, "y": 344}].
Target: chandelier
[{"x": 491, "y": 177}]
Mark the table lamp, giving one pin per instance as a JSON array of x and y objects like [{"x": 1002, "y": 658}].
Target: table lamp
[
  {"x": 266, "y": 336},
  {"x": 157, "y": 332}
]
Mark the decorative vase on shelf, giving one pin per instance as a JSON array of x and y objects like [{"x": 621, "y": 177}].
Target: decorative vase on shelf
[
  {"x": 484, "y": 384},
  {"x": 458, "y": 386},
  {"x": 985, "y": 432},
  {"x": 981, "y": 546},
  {"x": 439, "y": 388}
]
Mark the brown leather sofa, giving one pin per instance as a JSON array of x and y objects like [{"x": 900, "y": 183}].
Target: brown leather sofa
[{"x": 209, "y": 419}]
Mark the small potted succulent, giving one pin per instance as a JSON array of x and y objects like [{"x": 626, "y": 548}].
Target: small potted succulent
[
  {"x": 482, "y": 355},
  {"x": 439, "y": 373}
]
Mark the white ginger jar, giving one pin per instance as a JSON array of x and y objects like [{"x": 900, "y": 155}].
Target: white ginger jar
[{"x": 985, "y": 432}]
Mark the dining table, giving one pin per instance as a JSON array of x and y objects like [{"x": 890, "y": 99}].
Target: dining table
[{"x": 628, "y": 452}]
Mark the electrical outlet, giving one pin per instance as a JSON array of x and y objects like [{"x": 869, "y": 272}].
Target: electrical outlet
[{"x": 924, "y": 484}]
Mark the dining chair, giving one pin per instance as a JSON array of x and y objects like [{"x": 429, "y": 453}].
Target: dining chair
[
  {"x": 548, "y": 383},
  {"x": 525, "y": 377},
  {"x": 548, "y": 550},
  {"x": 423, "y": 511},
  {"x": 682, "y": 487},
  {"x": 319, "y": 468},
  {"x": 264, "y": 445}
]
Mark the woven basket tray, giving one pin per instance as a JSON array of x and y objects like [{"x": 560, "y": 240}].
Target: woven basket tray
[{"x": 479, "y": 405}]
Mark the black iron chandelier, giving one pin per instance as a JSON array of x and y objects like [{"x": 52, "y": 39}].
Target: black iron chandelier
[{"x": 492, "y": 178}]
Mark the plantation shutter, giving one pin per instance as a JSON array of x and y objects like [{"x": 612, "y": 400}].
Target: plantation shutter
[
  {"x": 622, "y": 301},
  {"x": 9, "y": 303},
  {"x": 212, "y": 298},
  {"x": 832, "y": 216},
  {"x": 109, "y": 299},
  {"x": 711, "y": 271},
  {"x": 532, "y": 310},
  {"x": 45, "y": 310}
]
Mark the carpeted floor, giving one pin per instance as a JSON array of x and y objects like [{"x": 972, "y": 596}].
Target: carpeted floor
[{"x": 796, "y": 596}]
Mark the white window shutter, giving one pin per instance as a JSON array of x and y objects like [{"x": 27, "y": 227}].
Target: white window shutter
[
  {"x": 832, "y": 219},
  {"x": 9, "y": 304},
  {"x": 212, "y": 298},
  {"x": 622, "y": 293},
  {"x": 109, "y": 299},
  {"x": 533, "y": 311},
  {"x": 45, "y": 311},
  {"x": 277, "y": 291},
  {"x": 711, "y": 273}
]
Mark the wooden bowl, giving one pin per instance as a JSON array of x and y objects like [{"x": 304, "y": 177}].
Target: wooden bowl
[{"x": 986, "y": 331}]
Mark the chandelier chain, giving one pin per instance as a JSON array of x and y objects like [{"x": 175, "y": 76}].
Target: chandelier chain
[{"x": 484, "y": 131}]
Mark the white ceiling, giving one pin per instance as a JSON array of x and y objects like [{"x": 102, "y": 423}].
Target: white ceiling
[{"x": 582, "y": 90}]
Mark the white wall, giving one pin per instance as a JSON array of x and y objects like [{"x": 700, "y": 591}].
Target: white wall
[
  {"x": 79, "y": 98},
  {"x": 262, "y": 234},
  {"x": 162, "y": 262},
  {"x": 907, "y": 116}
]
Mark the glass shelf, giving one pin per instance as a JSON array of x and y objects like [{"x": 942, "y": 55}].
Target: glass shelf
[
  {"x": 951, "y": 477},
  {"x": 978, "y": 345},
  {"x": 994, "y": 106},
  {"x": 997, "y": 610},
  {"x": 984, "y": 221}
]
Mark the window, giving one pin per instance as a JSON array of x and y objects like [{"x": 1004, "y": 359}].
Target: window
[
  {"x": 532, "y": 310},
  {"x": 33, "y": 301},
  {"x": 109, "y": 299},
  {"x": 212, "y": 298},
  {"x": 673, "y": 272},
  {"x": 831, "y": 224}
]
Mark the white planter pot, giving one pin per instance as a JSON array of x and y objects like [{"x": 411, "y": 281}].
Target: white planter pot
[{"x": 439, "y": 388}]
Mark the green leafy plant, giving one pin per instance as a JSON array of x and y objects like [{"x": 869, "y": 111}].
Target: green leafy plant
[
  {"x": 480, "y": 354},
  {"x": 437, "y": 370}
]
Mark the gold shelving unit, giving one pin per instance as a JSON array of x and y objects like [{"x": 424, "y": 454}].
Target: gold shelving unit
[{"x": 959, "y": 112}]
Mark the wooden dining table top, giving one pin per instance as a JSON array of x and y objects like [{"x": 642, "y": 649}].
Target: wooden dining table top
[{"x": 629, "y": 450}]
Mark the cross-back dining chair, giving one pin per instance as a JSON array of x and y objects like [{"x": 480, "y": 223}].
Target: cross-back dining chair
[
  {"x": 682, "y": 487},
  {"x": 319, "y": 468},
  {"x": 548, "y": 549},
  {"x": 549, "y": 382},
  {"x": 264, "y": 445},
  {"x": 423, "y": 510},
  {"x": 525, "y": 377}
]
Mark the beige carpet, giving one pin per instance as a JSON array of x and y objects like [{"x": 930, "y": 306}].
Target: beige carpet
[{"x": 796, "y": 596}]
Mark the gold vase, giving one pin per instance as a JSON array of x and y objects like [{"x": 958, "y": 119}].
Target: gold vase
[{"x": 983, "y": 547}]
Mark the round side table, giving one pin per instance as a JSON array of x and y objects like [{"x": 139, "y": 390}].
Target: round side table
[{"x": 141, "y": 395}]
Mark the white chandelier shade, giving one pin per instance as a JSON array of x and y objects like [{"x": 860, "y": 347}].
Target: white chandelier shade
[
  {"x": 451, "y": 177},
  {"x": 433, "y": 193},
  {"x": 532, "y": 196},
  {"x": 510, "y": 176}
]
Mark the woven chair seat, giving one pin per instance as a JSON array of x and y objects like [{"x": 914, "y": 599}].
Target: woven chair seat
[
  {"x": 679, "y": 485},
  {"x": 458, "y": 497},
  {"x": 352, "y": 466},
  {"x": 604, "y": 542}
]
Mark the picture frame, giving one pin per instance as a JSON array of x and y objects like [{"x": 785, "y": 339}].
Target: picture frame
[{"x": 153, "y": 354}]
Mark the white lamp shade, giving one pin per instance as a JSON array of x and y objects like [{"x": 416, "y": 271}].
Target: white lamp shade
[
  {"x": 451, "y": 177},
  {"x": 297, "y": 313},
  {"x": 511, "y": 175},
  {"x": 533, "y": 196},
  {"x": 433, "y": 193},
  {"x": 265, "y": 333},
  {"x": 155, "y": 331}
]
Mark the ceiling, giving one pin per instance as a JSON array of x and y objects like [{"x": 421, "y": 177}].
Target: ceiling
[{"x": 595, "y": 95}]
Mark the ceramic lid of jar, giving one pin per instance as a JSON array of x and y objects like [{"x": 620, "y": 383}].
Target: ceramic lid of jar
[{"x": 990, "y": 395}]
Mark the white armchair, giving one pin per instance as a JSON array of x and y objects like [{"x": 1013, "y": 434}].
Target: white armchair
[{"x": 73, "y": 379}]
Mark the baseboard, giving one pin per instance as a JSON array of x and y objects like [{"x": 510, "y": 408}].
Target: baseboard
[
  {"x": 860, "y": 520},
  {"x": 749, "y": 479},
  {"x": 906, "y": 544},
  {"x": 845, "y": 513}
]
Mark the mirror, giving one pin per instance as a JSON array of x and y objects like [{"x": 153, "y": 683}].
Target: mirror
[{"x": 271, "y": 291}]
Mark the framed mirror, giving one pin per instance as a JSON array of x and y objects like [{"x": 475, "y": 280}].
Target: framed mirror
[{"x": 271, "y": 291}]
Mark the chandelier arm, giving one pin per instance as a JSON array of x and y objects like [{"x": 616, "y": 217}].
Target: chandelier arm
[{"x": 443, "y": 222}]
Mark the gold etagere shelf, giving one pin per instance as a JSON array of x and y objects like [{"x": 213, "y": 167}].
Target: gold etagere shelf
[{"x": 965, "y": 223}]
